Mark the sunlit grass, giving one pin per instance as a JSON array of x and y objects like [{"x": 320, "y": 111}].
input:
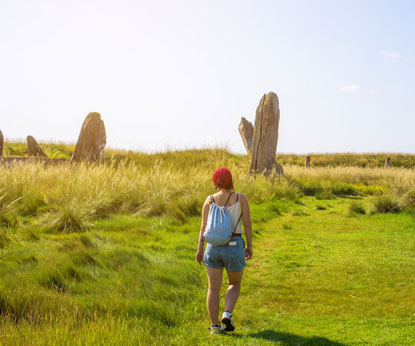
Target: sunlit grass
[{"x": 105, "y": 254}]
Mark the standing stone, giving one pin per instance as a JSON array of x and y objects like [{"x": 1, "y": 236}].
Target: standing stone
[
  {"x": 387, "y": 162},
  {"x": 307, "y": 162},
  {"x": 246, "y": 129},
  {"x": 91, "y": 141},
  {"x": 33, "y": 148},
  {"x": 1, "y": 143},
  {"x": 266, "y": 136}
]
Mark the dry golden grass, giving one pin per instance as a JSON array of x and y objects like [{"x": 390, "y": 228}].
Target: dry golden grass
[{"x": 68, "y": 197}]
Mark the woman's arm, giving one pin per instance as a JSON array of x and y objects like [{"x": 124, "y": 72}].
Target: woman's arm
[
  {"x": 200, "y": 249},
  {"x": 246, "y": 218}
]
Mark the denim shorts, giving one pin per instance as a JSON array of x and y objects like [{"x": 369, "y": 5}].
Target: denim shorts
[{"x": 232, "y": 257}]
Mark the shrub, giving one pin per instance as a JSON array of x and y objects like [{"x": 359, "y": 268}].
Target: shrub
[
  {"x": 325, "y": 195},
  {"x": 340, "y": 189},
  {"x": 310, "y": 187},
  {"x": 356, "y": 207},
  {"x": 386, "y": 204}
]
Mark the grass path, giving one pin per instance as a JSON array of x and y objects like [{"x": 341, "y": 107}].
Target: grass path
[
  {"x": 321, "y": 277},
  {"x": 318, "y": 277}
]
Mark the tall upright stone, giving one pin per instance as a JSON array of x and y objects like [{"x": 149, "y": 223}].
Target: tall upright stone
[
  {"x": 33, "y": 148},
  {"x": 92, "y": 140},
  {"x": 246, "y": 129},
  {"x": 265, "y": 137},
  {"x": 307, "y": 161},
  {"x": 387, "y": 162},
  {"x": 1, "y": 143}
]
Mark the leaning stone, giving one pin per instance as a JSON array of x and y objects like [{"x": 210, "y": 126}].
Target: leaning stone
[
  {"x": 92, "y": 140},
  {"x": 33, "y": 148},
  {"x": 265, "y": 137},
  {"x": 1, "y": 143},
  {"x": 246, "y": 129}
]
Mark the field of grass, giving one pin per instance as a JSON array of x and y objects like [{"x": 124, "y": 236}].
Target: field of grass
[
  {"x": 363, "y": 160},
  {"x": 371, "y": 160},
  {"x": 104, "y": 255}
]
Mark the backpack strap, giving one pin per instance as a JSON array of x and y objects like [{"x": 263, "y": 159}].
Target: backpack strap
[
  {"x": 228, "y": 199},
  {"x": 237, "y": 223}
]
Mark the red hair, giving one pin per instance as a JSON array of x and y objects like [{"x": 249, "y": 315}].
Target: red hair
[{"x": 222, "y": 178}]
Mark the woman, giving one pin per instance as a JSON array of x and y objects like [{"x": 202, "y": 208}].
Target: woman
[{"x": 231, "y": 256}]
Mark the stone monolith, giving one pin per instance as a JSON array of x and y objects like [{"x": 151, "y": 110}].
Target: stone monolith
[
  {"x": 33, "y": 148},
  {"x": 387, "y": 162},
  {"x": 307, "y": 162},
  {"x": 265, "y": 137},
  {"x": 1, "y": 143},
  {"x": 246, "y": 129},
  {"x": 91, "y": 141}
]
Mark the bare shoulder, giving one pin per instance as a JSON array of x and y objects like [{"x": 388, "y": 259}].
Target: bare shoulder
[
  {"x": 207, "y": 201},
  {"x": 243, "y": 198}
]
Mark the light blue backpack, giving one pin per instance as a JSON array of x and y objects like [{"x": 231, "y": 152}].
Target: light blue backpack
[{"x": 219, "y": 224}]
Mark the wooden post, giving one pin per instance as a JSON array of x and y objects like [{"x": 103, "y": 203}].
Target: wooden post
[
  {"x": 33, "y": 148},
  {"x": 1, "y": 143},
  {"x": 387, "y": 162},
  {"x": 265, "y": 139},
  {"x": 307, "y": 162},
  {"x": 246, "y": 131},
  {"x": 91, "y": 141}
]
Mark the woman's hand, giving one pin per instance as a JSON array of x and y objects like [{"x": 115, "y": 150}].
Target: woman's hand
[
  {"x": 199, "y": 255},
  {"x": 248, "y": 252}
]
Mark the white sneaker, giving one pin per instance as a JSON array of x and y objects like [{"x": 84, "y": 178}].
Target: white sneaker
[
  {"x": 216, "y": 329},
  {"x": 227, "y": 321}
]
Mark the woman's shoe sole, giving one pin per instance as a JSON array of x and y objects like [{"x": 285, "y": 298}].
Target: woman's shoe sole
[{"x": 228, "y": 323}]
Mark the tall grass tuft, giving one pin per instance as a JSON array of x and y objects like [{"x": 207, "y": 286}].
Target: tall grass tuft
[
  {"x": 68, "y": 218},
  {"x": 387, "y": 204},
  {"x": 356, "y": 207},
  {"x": 4, "y": 239}
]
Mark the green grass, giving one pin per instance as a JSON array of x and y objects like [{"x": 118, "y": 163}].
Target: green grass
[
  {"x": 319, "y": 277},
  {"x": 363, "y": 160},
  {"x": 104, "y": 255}
]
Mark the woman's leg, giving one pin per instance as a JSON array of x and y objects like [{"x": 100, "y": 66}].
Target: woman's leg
[
  {"x": 215, "y": 283},
  {"x": 234, "y": 287}
]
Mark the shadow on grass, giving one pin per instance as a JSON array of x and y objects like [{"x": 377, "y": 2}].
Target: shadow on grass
[
  {"x": 350, "y": 197},
  {"x": 287, "y": 339}
]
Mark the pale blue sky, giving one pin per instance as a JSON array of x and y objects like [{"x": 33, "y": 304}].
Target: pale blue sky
[{"x": 180, "y": 74}]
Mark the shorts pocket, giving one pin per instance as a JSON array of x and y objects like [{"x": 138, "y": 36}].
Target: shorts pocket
[
  {"x": 233, "y": 251},
  {"x": 236, "y": 250}
]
